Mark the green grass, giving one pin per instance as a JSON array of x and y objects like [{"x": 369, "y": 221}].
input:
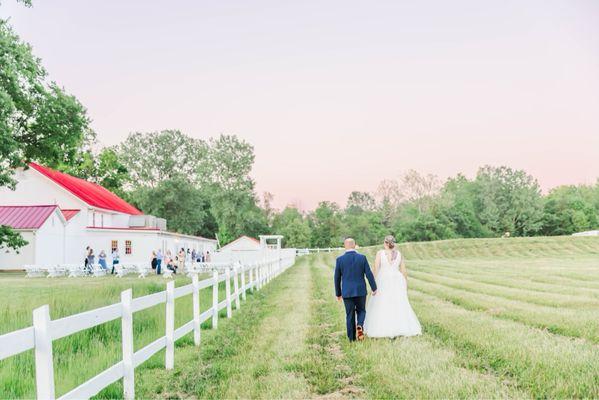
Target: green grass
[
  {"x": 81, "y": 356},
  {"x": 502, "y": 318}
]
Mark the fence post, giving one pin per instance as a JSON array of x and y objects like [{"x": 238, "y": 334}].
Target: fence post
[
  {"x": 259, "y": 276},
  {"x": 169, "y": 359},
  {"x": 127, "y": 338},
  {"x": 215, "y": 299},
  {"x": 236, "y": 285},
  {"x": 44, "y": 365},
  {"x": 228, "y": 291},
  {"x": 196, "y": 309},
  {"x": 243, "y": 288},
  {"x": 252, "y": 274}
]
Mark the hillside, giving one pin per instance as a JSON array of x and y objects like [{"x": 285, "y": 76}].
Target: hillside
[{"x": 555, "y": 246}]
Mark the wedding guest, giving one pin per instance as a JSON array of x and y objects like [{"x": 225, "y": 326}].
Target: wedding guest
[
  {"x": 159, "y": 257},
  {"x": 115, "y": 259},
  {"x": 102, "y": 260},
  {"x": 181, "y": 259},
  {"x": 85, "y": 259},
  {"x": 91, "y": 259},
  {"x": 153, "y": 260}
]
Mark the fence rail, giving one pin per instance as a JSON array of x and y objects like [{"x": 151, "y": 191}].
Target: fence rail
[
  {"x": 302, "y": 252},
  {"x": 44, "y": 331}
]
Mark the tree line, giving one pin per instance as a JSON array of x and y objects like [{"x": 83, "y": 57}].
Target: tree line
[{"x": 499, "y": 201}]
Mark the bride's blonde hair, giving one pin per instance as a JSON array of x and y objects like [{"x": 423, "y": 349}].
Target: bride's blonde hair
[{"x": 390, "y": 240}]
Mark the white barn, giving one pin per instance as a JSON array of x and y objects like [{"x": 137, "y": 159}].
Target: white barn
[
  {"x": 249, "y": 249},
  {"x": 60, "y": 215}
]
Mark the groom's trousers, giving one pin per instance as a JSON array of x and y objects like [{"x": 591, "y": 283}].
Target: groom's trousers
[{"x": 354, "y": 307}]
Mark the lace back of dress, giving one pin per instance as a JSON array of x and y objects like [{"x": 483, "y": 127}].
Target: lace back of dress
[{"x": 393, "y": 263}]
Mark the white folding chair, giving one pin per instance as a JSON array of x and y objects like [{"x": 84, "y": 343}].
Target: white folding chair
[
  {"x": 55, "y": 271},
  {"x": 142, "y": 270},
  {"x": 97, "y": 270},
  {"x": 167, "y": 273},
  {"x": 35, "y": 271}
]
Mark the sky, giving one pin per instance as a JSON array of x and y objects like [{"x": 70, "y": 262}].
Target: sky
[{"x": 336, "y": 96}]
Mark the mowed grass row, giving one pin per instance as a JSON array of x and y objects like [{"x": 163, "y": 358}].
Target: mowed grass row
[
  {"x": 407, "y": 368},
  {"x": 279, "y": 347},
  {"x": 501, "y": 314},
  {"x": 83, "y": 355},
  {"x": 559, "y": 246}
]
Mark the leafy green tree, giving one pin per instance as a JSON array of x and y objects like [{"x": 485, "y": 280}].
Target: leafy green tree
[
  {"x": 9, "y": 239},
  {"x": 236, "y": 214},
  {"x": 154, "y": 157},
  {"x": 414, "y": 224},
  {"x": 293, "y": 226},
  {"x": 226, "y": 174},
  {"x": 570, "y": 209},
  {"x": 185, "y": 208},
  {"x": 327, "y": 225},
  {"x": 228, "y": 164},
  {"x": 39, "y": 121},
  {"x": 508, "y": 201},
  {"x": 366, "y": 227},
  {"x": 103, "y": 168},
  {"x": 457, "y": 202}
]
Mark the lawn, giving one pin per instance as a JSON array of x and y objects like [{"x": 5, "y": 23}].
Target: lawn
[{"x": 502, "y": 318}]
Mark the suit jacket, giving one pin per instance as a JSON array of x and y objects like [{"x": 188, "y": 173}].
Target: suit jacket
[{"x": 350, "y": 270}]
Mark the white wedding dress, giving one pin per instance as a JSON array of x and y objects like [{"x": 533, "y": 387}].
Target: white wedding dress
[{"x": 388, "y": 313}]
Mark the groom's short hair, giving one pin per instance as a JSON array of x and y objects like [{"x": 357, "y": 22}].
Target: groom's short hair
[{"x": 350, "y": 241}]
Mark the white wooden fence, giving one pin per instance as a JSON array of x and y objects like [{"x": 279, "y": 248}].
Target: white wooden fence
[
  {"x": 39, "y": 337},
  {"x": 303, "y": 252}
]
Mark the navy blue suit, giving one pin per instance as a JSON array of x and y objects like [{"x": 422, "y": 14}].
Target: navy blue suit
[{"x": 350, "y": 270}]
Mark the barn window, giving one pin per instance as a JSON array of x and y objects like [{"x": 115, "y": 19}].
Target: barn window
[
  {"x": 127, "y": 247},
  {"x": 114, "y": 245}
]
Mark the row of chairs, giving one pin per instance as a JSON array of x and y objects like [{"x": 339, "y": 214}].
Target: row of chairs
[{"x": 79, "y": 270}]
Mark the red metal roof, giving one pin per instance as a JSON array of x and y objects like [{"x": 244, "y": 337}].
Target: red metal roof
[
  {"x": 91, "y": 193},
  {"x": 68, "y": 214},
  {"x": 25, "y": 217}
]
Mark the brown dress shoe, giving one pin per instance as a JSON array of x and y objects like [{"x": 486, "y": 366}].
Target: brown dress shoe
[{"x": 360, "y": 333}]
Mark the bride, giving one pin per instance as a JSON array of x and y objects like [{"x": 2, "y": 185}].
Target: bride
[{"x": 389, "y": 314}]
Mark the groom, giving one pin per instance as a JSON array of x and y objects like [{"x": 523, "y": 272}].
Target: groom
[{"x": 350, "y": 270}]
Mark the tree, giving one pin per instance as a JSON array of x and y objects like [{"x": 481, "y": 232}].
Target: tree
[
  {"x": 358, "y": 202},
  {"x": 10, "y": 239},
  {"x": 226, "y": 174},
  {"x": 103, "y": 168},
  {"x": 154, "y": 157},
  {"x": 186, "y": 209},
  {"x": 457, "y": 201},
  {"x": 365, "y": 227},
  {"x": 389, "y": 198},
  {"x": 508, "y": 201},
  {"x": 236, "y": 214},
  {"x": 570, "y": 209},
  {"x": 39, "y": 121},
  {"x": 418, "y": 189},
  {"x": 293, "y": 226},
  {"x": 327, "y": 225},
  {"x": 228, "y": 164}
]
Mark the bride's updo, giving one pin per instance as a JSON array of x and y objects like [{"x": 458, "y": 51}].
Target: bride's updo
[{"x": 390, "y": 240}]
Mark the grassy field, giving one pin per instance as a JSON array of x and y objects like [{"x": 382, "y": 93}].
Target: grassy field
[{"x": 511, "y": 318}]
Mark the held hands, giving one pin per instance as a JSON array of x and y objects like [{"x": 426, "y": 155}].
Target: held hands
[
  {"x": 339, "y": 298},
  {"x": 374, "y": 293}
]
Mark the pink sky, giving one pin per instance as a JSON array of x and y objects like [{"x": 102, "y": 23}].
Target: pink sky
[{"x": 336, "y": 96}]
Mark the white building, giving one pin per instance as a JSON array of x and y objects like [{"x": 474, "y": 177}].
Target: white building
[
  {"x": 249, "y": 249},
  {"x": 60, "y": 215}
]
